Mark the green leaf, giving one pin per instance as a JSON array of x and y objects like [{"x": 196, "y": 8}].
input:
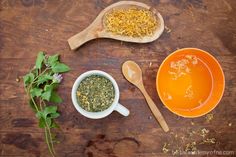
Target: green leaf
[
  {"x": 46, "y": 95},
  {"x": 60, "y": 68},
  {"x": 55, "y": 98},
  {"x": 54, "y": 125},
  {"x": 49, "y": 109},
  {"x": 42, "y": 123},
  {"x": 46, "y": 116},
  {"x": 39, "y": 114},
  {"x": 39, "y": 60},
  {"x": 35, "y": 92},
  {"x": 28, "y": 78},
  {"x": 52, "y": 60},
  {"x": 55, "y": 85},
  {"x": 54, "y": 115},
  {"x": 44, "y": 78}
]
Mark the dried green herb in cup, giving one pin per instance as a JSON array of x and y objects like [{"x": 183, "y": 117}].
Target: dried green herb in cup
[{"x": 95, "y": 93}]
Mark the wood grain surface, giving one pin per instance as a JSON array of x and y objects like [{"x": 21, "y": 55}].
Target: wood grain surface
[{"x": 28, "y": 26}]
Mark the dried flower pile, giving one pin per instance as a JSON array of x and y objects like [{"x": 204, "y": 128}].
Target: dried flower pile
[{"x": 132, "y": 22}]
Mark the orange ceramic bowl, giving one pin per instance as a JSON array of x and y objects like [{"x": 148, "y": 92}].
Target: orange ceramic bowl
[{"x": 190, "y": 82}]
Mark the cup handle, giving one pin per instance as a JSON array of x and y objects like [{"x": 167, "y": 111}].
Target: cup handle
[{"x": 122, "y": 110}]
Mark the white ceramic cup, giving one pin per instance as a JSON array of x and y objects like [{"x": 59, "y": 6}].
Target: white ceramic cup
[{"x": 97, "y": 115}]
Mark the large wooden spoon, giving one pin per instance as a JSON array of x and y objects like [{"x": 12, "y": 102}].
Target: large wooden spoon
[
  {"x": 97, "y": 29},
  {"x": 133, "y": 74}
]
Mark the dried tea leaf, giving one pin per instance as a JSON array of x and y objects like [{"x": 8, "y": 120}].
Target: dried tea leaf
[
  {"x": 209, "y": 117},
  {"x": 165, "y": 149},
  {"x": 95, "y": 93}
]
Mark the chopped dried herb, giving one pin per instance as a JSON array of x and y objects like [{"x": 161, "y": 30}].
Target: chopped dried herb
[
  {"x": 209, "y": 117},
  {"x": 165, "y": 149},
  {"x": 191, "y": 147},
  {"x": 204, "y": 132},
  {"x": 133, "y": 22},
  {"x": 95, "y": 93},
  {"x": 208, "y": 141}
]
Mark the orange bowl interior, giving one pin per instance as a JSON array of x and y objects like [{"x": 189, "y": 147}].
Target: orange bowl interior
[{"x": 190, "y": 82}]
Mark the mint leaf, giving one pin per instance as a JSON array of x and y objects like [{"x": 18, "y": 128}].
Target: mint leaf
[
  {"x": 46, "y": 95},
  {"x": 39, "y": 114},
  {"x": 52, "y": 60},
  {"x": 35, "y": 92},
  {"x": 43, "y": 78},
  {"x": 48, "y": 112},
  {"x": 60, "y": 68},
  {"x": 39, "y": 60},
  {"x": 47, "y": 92},
  {"x": 45, "y": 116},
  {"x": 54, "y": 115},
  {"x": 55, "y": 98},
  {"x": 54, "y": 125},
  {"x": 28, "y": 78},
  {"x": 42, "y": 123},
  {"x": 49, "y": 109}
]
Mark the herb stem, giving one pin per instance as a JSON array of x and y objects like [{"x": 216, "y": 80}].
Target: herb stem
[
  {"x": 40, "y": 104},
  {"x": 44, "y": 103},
  {"x": 50, "y": 137},
  {"x": 47, "y": 141},
  {"x": 35, "y": 105},
  {"x": 49, "y": 131},
  {"x": 41, "y": 73}
]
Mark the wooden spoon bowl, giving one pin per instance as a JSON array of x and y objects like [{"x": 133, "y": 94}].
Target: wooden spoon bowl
[{"x": 97, "y": 28}]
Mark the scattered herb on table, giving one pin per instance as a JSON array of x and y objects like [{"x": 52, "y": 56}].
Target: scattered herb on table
[
  {"x": 95, "y": 93},
  {"x": 40, "y": 85},
  {"x": 165, "y": 149},
  {"x": 209, "y": 117},
  {"x": 133, "y": 22},
  {"x": 191, "y": 147},
  {"x": 187, "y": 141}
]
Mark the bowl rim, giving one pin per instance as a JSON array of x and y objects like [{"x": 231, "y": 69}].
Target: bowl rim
[
  {"x": 202, "y": 51},
  {"x": 94, "y": 115}
]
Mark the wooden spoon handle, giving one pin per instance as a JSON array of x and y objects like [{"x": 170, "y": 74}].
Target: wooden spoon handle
[
  {"x": 156, "y": 112},
  {"x": 81, "y": 38}
]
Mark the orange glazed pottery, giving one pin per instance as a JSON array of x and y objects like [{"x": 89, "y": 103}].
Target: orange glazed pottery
[{"x": 190, "y": 82}]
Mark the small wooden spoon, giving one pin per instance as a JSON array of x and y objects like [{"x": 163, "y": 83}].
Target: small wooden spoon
[
  {"x": 133, "y": 74},
  {"x": 97, "y": 29}
]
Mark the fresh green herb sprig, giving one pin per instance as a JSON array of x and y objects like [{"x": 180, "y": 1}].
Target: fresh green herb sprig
[{"x": 40, "y": 85}]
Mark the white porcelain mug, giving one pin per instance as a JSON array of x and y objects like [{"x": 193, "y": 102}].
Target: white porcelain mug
[{"x": 97, "y": 115}]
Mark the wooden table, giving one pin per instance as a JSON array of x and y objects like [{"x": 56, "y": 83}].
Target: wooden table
[{"x": 28, "y": 26}]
